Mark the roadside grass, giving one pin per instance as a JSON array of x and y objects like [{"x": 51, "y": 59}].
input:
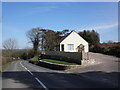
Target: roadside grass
[
  {"x": 0, "y": 68},
  {"x": 59, "y": 62},
  {"x": 3, "y": 67},
  {"x": 34, "y": 59}
]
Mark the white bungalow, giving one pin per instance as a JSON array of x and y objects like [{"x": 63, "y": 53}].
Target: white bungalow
[{"x": 73, "y": 42}]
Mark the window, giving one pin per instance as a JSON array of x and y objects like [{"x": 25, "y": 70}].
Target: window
[{"x": 70, "y": 47}]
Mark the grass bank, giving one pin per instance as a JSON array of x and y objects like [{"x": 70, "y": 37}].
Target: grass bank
[
  {"x": 34, "y": 59},
  {"x": 59, "y": 62},
  {"x": 3, "y": 67}
]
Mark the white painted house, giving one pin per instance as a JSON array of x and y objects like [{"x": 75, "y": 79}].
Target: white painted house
[{"x": 72, "y": 42}]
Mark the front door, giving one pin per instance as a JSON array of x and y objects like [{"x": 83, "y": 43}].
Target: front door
[{"x": 62, "y": 47}]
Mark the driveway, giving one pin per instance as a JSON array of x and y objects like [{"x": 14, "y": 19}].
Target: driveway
[{"x": 105, "y": 69}]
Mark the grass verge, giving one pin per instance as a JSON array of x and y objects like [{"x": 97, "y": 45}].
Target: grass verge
[
  {"x": 59, "y": 62},
  {"x": 3, "y": 67},
  {"x": 34, "y": 59}
]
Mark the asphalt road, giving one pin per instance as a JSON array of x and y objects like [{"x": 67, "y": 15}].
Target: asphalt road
[{"x": 22, "y": 74}]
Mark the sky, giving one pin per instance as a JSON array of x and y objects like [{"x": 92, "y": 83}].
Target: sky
[{"x": 19, "y": 17}]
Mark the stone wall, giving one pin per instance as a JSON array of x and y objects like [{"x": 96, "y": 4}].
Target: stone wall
[
  {"x": 53, "y": 66},
  {"x": 74, "y": 57}
]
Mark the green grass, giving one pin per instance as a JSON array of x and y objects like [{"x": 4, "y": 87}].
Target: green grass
[
  {"x": 3, "y": 67},
  {"x": 34, "y": 58},
  {"x": 58, "y": 62}
]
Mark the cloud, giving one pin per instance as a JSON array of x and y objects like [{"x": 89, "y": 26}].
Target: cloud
[
  {"x": 37, "y": 10},
  {"x": 102, "y": 27},
  {"x": 33, "y": 10},
  {"x": 44, "y": 8}
]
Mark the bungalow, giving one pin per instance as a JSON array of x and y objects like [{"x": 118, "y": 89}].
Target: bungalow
[{"x": 73, "y": 42}]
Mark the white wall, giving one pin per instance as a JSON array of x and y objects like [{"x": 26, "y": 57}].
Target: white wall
[{"x": 75, "y": 39}]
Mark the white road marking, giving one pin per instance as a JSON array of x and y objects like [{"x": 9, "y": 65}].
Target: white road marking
[
  {"x": 35, "y": 77},
  {"x": 30, "y": 72},
  {"x": 41, "y": 83},
  {"x": 26, "y": 68}
]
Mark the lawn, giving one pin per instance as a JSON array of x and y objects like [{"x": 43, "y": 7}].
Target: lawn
[
  {"x": 34, "y": 58},
  {"x": 59, "y": 62}
]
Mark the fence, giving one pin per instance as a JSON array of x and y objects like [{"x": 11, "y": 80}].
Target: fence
[{"x": 74, "y": 57}]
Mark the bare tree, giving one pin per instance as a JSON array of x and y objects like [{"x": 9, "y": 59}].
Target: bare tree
[{"x": 10, "y": 44}]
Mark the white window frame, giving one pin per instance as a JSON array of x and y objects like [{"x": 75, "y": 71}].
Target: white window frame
[{"x": 70, "y": 46}]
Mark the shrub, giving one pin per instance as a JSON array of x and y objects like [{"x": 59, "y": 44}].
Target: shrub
[
  {"x": 115, "y": 51},
  {"x": 96, "y": 49},
  {"x": 27, "y": 54},
  {"x": 109, "y": 50}
]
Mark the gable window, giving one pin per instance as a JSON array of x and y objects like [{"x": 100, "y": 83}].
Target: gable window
[{"x": 70, "y": 46}]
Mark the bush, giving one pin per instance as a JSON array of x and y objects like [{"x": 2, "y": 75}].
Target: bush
[
  {"x": 20, "y": 53},
  {"x": 27, "y": 54},
  {"x": 113, "y": 50},
  {"x": 96, "y": 49},
  {"x": 6, "y": 60}
]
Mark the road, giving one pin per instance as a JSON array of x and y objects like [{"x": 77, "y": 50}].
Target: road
[
  {"x": 105, "y": 69},
  {"x": 22, "y": 74}
]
